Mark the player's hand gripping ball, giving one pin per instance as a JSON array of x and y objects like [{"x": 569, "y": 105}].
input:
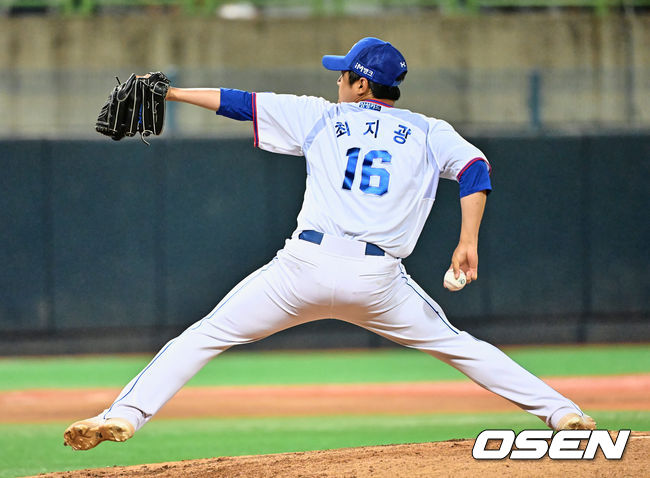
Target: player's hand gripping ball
[{"x": 451, "y": 283}]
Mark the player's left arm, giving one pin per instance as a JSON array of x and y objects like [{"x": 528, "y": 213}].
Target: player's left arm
[
  {"x": 209, "y": 98},
  {"x": 281, "y": 123},
  {"x": 465, "y": 256}
]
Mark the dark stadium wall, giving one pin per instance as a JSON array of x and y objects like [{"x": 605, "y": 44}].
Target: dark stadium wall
[{"x": 100, "y": 237}]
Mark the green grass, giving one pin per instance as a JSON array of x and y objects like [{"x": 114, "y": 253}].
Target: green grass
[
  {"x": 172, "y": 440},
  {"x": 281, "y": 368}
]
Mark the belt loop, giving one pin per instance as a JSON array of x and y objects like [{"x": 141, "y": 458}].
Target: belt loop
[
  {"x": 316, "y": 237},
  {"x": 373, "y": 250},
  {"x": 311, "y": 236}
]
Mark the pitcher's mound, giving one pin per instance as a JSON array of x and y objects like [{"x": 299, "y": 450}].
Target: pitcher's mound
[{"x": 450, "y": 458}]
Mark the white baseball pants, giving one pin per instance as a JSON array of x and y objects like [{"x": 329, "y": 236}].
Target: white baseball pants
[{"x": 335, "y": 279}]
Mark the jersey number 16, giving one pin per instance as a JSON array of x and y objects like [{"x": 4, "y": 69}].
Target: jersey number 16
[{"x": 367, "y": 171}]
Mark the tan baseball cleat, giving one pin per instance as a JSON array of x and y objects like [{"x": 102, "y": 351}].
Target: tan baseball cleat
[
  {"x": 87, "y": 434},
  {"x": 573, "y": 421}
]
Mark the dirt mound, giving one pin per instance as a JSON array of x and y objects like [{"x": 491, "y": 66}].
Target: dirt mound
[{"x": 450, "y": 458}]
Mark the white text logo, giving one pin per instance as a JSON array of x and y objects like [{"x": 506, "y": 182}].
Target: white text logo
[
  {"x": 564, "y": 445},
  {"x": 364, "y": 70}
]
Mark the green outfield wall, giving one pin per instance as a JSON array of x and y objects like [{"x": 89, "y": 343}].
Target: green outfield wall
[{"x": 115, "y": 247}]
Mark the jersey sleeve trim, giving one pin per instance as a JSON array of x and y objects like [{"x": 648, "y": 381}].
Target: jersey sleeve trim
[
  {"x": 256, "y": 136},
  {"x": 475, "y": 179},
  {"x": 235, "y": 104},
  {"x": 472, "y": 162}
]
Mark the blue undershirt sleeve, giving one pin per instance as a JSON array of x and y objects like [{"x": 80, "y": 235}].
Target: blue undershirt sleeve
[
  {"x": 236, "y": 104},
  {"x": 475, "y": 178}
]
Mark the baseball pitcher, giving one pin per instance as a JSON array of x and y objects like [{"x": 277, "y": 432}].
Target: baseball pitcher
[{"x": 372, "y": 174}]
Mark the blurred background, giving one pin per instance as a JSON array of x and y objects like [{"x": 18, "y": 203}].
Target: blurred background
[{"x": 117, "y": 247}]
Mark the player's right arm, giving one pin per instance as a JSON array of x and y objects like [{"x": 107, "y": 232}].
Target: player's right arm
[
  {"x": 209, "y": 98},
  {"x": 465, "y": 256},
  {"x": 463, "y": 162}
]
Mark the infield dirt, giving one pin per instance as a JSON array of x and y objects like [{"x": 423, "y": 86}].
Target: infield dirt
[
  {"x": 450, "y": 458},
  {"x": 622, "y": 392}
]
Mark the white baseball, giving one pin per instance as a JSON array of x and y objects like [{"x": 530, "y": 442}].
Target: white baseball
[{"x": 450, "y": 282}]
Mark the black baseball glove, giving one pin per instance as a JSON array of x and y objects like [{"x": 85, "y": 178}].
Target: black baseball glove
[{"x": 135, "y": 106}]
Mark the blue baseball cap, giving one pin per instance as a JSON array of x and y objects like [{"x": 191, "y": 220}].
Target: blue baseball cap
[{"x": 372, "y": 58}]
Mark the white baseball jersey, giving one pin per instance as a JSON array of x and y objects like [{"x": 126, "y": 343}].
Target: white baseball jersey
[
  {"x": 372, "y": 173},
  {"x": 372, "y": 170}
]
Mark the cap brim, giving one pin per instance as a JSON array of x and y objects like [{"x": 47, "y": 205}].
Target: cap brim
[{"x": 335, "y": 63}]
